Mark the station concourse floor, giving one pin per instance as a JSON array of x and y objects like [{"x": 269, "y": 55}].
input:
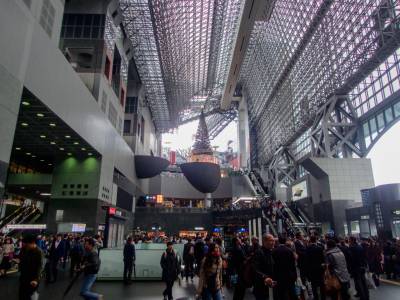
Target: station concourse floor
[{"x": 145, "y": 290}]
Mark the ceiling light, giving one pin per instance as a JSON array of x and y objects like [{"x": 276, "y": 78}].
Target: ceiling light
[
  {"x": 49, "y": 164},
  {"x": 22, "y": 187},
  {"x": 52, "y": 124},
  {"x": 24, "y": 124},
  {"x": 52, "y": 143},
  {"x": 17, "y": 148},
  {"x": 40, "y": 115},
  {"x": 43, "y": 136},
  {"x": 76, "y": 143},
  {"x": 28, "y": 153},
  {"x": 90, "y": 154},
  {"x": 26, "y": 103},
  {"x": 62, "y": 149},
  {"x": 67, "y": 136},
  {"x": 69, "y": 153},
  {"x": 45, "y": 194},
  {"x": 83, "y": 149},
  {"x": 42, "y": 160},
  {"x": 33, "y": 156}
]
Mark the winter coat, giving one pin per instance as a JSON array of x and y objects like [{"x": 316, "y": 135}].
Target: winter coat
[
  {"x": 170, "y": 266},
  {"x": 337, "y": 264}
]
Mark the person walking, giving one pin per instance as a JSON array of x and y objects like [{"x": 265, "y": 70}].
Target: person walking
[
  {"x": 129, "y": 260},
  {"x": 188, "y": 259},
  {"x": 90, "y": 266},
  {"x": 263, "y": 267},
  {"x": 284, "y": 271},
  {"x": 336, "y": 263},
  {"x": 238, "y": 257},
  {"x": 358, "y": 268},
  {"x": 314, "y": 260},
  {"x": 8, "y": 255},
  {"x": 210, "y": 277},
  {"x": 30, "y": 268},
  {"x": 170, "y": 266},
  {"x": 76, "y": 254}
]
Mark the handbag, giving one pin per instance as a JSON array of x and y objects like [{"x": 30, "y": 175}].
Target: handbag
[{"x": 332, "y": 283}]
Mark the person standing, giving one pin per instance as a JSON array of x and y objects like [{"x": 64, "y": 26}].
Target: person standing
[
  {"x": 284, "y": 271},
  {"x": 301, "y": 248},
  {"x": 76, "y": 255},
  {"x": 210, "y": 277},
  {"x": 8, "y": 255},
  {"x": 90, "y": 266},
  {"x": 30, "y": 268},
  {"x": 129, "y": 260},
  {"x": 238, "y": 257},
  {"x": 336, "y": 263},
  {"x": 358, "y": 268},
  {"x": 263, "y": 266},
  {"x": 314, "y": 260},
  {"x": 188, "y": 259},
  {"x": 170, "y": 269},
  {"x": 56, "y": 254}
]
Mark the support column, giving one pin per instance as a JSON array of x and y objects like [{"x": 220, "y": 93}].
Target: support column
[
  {"x": 250, "y": 230},
  {"x": 207, "y": 200},
  {"x": 254, "y": 227},
  {"x": 259, "y": 230},
  {"x": 243, "y": 134}
]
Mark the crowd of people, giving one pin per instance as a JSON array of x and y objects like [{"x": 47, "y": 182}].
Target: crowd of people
[{"x": 298, "y": 267}]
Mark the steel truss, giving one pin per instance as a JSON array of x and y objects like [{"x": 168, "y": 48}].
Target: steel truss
[
  {"x": 308, "y": 51},
  {"x": 184, "y": 50},
  {"x": 282, "y": 169}
]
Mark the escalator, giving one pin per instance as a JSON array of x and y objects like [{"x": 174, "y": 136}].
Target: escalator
[
  {"x": 24, "y": 215},
  {"x": 5, "y": 220}
]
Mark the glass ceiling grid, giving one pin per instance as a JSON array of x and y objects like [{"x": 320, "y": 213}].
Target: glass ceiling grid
[{"x": 288, "y": 74}]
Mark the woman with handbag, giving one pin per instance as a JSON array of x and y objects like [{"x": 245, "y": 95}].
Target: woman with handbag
[
  {"x": 336, "y": 278},
  {"x": 210, "y": 276}
]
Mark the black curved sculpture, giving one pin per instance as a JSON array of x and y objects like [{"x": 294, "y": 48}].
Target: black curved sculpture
[
  {"x": 204, "y": 176},
  {"x": 148, "y": 166}
]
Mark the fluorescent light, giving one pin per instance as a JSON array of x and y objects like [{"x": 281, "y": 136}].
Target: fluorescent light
[
  {"x": 42, "y": 160},
  {"x": 69, "y": 153},
  {"x": 26, "y": 103},
  {"x": 40, "y": 115},
  {"x": 83, "y": 149},
  {"x": 28, "y": 153},
  {"x": 43, "y": 136},
  {"x": 61, "y": 148},
  {"x": 76, "y": 143},
  {"x": 33, "y": 156},
  {"x": 52, "y": 124},
  {"x": 17, "y": 148},
  {"x": 24, "y": 124},
  {"x": 49, "y": 164},
  {"x": 67, "y": 136},
  {"x": 45, "y": 194},
  {"x": 52, "y": 143},
  {"x": 90, "y": 154}
]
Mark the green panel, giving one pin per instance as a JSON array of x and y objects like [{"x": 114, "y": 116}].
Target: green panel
[
  {"x": 73, "y": 178},
  {"x": 27, "y": 179}
]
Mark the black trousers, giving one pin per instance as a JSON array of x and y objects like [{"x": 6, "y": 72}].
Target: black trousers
[
  {"x": 315, "y": 286},
  {"x": 240, "y": 289},
  {"x": 189, "y": 268},
  {"x": 168, "y": 290},
  {"x": 128, "y": 266},
  {"x": 360, "y": 284},
  {"x": 285, "y": 292},
  {"x": 74, "y": 263},
  {"x": 26, "y": 290}
]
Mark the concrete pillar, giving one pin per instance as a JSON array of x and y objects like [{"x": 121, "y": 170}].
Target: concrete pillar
[
  {"x": 254, "y": 227},
  {"x": 207, "y": 200},
  {"x": 259, "y": 230},
  {"x": 243, "y": 134},
  {"x": 250, "y": 230}
]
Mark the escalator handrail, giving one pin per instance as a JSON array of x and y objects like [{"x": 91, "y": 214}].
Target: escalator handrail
[
  {"x": 10, "y": 216},
  {"x": 16, "y": 218},
  {"x": 33, "y": 212}
]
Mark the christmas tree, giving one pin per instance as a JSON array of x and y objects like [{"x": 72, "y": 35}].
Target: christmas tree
[{"x": 202, "y": 144}]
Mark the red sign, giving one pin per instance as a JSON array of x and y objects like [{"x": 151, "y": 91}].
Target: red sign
[
  {"x": 111, "y": 210},
  {"x": 172, "y": 157}
]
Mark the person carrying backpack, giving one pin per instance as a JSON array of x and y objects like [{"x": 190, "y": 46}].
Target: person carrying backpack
[{"x": 210, "y": 277}]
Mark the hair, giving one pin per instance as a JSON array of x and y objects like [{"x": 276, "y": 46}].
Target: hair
[
  {"x": 29, "y": 239},
  {"x": 282, "y": 239},
  {"x": 353, "y": 239},
  {"x": 298, "y": 234},
  {"x": 169, "y": 243},
  {"x": 90, "y": 242},
  {"x": 313, "y": 239},
  {"x": 331, "y": 244},
  {"x": 209, "y": 259}
]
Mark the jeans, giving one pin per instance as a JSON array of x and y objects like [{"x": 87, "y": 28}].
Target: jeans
[
  {"x": 88, "y": 281},
  {"x": 208, "y": 295}
]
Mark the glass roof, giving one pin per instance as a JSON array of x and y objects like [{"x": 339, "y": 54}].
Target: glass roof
[{"x": 183, "y": 51}]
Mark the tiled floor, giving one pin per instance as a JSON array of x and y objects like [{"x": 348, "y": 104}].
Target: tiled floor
[{"x": 142, "y": 290}]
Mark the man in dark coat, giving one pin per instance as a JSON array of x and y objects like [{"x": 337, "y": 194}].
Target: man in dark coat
[
  {"x": 30, "y": 267},
  {"x": 188, "y": 259},
  {"x": 263, "y": 267},
  {"x": 358, "y": 267},
  {"x": 129, "y": 259},
  {"x": 301, "y": 248},
  {"x": 284, "y": 271},
  {"x": 238, "y": 257},
  {"x": 314, "y": 258},
  {"x": 170, "y": 269},
  {"x": 56, "y": 254}
]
